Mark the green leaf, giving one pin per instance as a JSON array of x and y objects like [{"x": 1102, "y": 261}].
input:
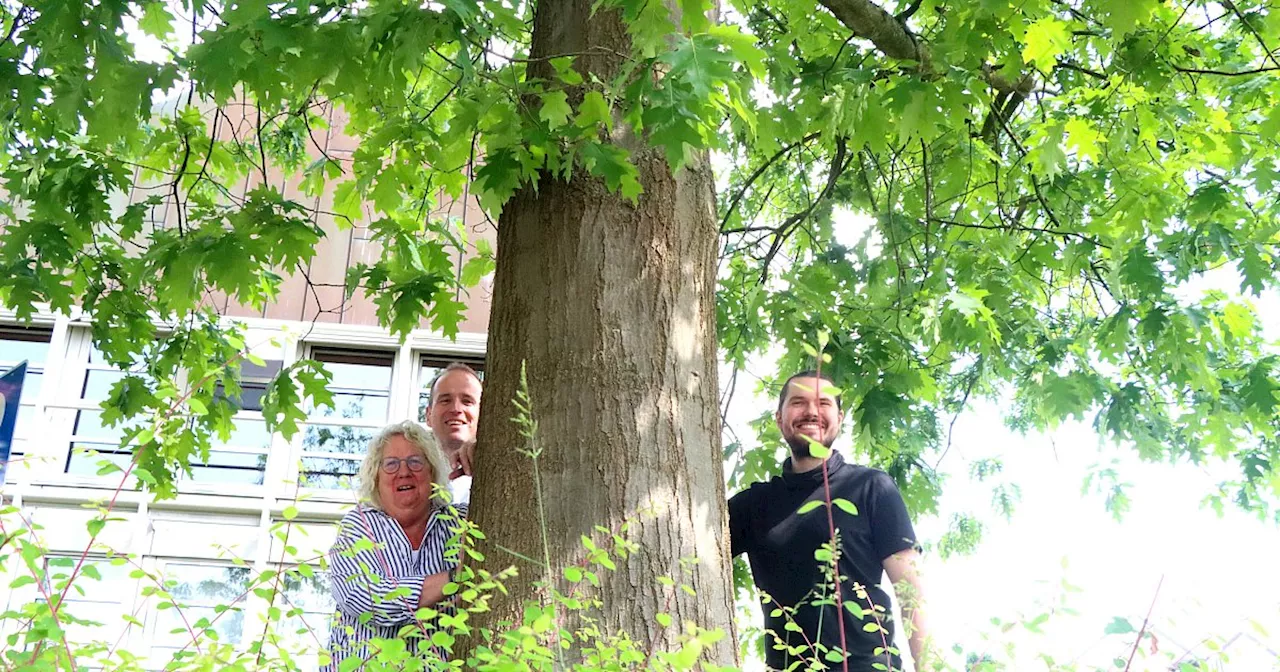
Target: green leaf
[
  {"x": 613, "y": 164},
  {"x": 1046, "y": 40},
  {"x": 693, "y": 15},
  {"x": 1083, "y": 137},
  {"x": 809, "y": 506},
  {"x": 475, "y": 269},
  {"x": 1124, "y": 17},
  {"x": 594, "y": 112},
  {"x": 1259, "y": 390},
  {"x": 742, "y": 46},
  {"x": 1049, "y": 159},
  {"x": 555, "y": 109},
  {"x": 816, "y": 449},
  {"x": 564, "y": 70},
  {"x": 1119, "y": 626},
  {"x": 846, "y": 506},
  {"x": 156, "y": 20},
  {"x": 1254, "y": 271}
]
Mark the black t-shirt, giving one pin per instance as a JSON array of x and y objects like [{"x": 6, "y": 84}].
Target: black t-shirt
[{"x": 779, "y": 542}]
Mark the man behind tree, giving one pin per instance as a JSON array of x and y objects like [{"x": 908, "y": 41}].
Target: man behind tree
[
  {"x": 765, "y": 523},
  {"x": 452, "y": 412}
]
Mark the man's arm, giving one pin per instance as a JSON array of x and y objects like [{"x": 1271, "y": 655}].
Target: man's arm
[
  {"x": 904, "y": 573},
  {"x": 739, "y": 522}
]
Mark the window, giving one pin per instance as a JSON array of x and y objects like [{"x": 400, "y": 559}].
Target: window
[
  {"x": 429, "y": 367},
  {"x": 307, "y": 609},
  {"x": 335, "y": 438},
  {"x": 101, "y": 595},
  {"x": 243, "y": 457},
  {"x": 198, "y": 590},
  {"x": 18, "y": 344},
  {"x": 92, "y": 442}
]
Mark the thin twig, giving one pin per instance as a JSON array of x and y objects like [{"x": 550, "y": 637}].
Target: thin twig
[
  {"x": 755, "y": 175},
  {"x": 1145, "y": 622}
]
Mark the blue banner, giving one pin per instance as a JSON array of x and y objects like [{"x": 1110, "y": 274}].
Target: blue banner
[{"x": 10, "y": 396}]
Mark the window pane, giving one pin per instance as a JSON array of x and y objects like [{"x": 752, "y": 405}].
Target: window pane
[
  {"x": 86, "y": 463},
  {"x": 32, "y": 383},
  {"x": 96, "y": 357},
  {"x": 361, "y": 391},
  {"x": 97, "y": 384},
  {"x": 311, "y": 605},
  {"x": 198, "y": 589},
  {"x": 14, "y": 350},
  {"x": 249, "y": 398},
  {"x": 373, "y": 376},
  {"x": 103, "y": 601},
  {"x": 89, "y": 426},
  {"x": 354, "y": 407},
  {"x": 224, "y": 467},
  {"x": 247, "y": 434},
  {"x": 330, "y": 472},
  {"x": 337, "y": 439},
  {"x": 92, "y": 435}
]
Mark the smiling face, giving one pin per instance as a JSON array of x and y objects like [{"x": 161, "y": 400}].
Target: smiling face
[
  {"x": 805, "y": 414},
  {"x": 406, "y": 494},
  {"x": 454, "y": 410}
]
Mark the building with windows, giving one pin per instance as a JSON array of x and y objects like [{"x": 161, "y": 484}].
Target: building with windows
[{"x": 260, "y": 501}]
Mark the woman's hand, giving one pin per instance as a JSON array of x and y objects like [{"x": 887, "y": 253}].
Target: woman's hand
[{"x": 433, "y": 589}]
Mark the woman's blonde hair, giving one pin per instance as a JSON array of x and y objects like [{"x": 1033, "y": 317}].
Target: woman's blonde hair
[{"x": 414, "y": 433}]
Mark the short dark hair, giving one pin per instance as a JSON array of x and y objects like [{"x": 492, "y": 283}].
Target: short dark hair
[
  {"x": 808, "y": 373},
  {"x": 451, "y": 366}
]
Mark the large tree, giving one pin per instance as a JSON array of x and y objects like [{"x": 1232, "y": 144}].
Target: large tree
[{"x": 1044, "y": 183}]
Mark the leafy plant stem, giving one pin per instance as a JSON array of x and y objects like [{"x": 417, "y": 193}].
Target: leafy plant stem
[
  {"x": 831, "y": 523},
  {"x": 1145, "y": 622}
]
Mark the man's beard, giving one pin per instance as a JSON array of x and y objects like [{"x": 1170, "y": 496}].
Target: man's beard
[{"x": 801, "y": 446}]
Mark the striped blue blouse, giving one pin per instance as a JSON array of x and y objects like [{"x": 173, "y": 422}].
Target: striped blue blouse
[{"x": 374, "y": 570}]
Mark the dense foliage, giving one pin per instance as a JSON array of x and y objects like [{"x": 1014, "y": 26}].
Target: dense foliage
[{"x": 1045, "y": 181}]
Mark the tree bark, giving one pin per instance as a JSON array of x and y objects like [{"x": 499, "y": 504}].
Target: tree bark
[{"x": 612, "y": 309}]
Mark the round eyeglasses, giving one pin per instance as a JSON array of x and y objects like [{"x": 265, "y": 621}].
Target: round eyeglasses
[{"x": 391, "y": 465}]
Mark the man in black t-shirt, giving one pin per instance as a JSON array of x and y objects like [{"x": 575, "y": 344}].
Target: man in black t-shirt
[{"x": 782, "y": 523}]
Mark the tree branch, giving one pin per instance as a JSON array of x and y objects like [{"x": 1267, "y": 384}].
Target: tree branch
[
  {"x": 1225, "y": 73},
  {"x": 909, "y": 11},
  {"x": 838, "y": 164},
  {"x": 871, "y": 22},
  {"x": 17, "y": 23},
  {"x": 1266, "y": 51},
  {"x": 1023, "y": 228},
  {"x": 737, "y": 198}
]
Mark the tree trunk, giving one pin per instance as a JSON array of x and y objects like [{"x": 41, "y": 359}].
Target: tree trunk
[{"x": 612, "y": 309}]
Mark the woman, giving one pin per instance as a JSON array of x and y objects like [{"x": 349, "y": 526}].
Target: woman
[{"x": 404, "y": 512}]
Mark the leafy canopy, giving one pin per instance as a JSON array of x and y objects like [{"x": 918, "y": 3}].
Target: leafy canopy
[{"x": 1044, "y": 183}]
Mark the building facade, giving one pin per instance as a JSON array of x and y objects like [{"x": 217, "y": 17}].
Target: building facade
[{"x": 260, "y": 501}]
